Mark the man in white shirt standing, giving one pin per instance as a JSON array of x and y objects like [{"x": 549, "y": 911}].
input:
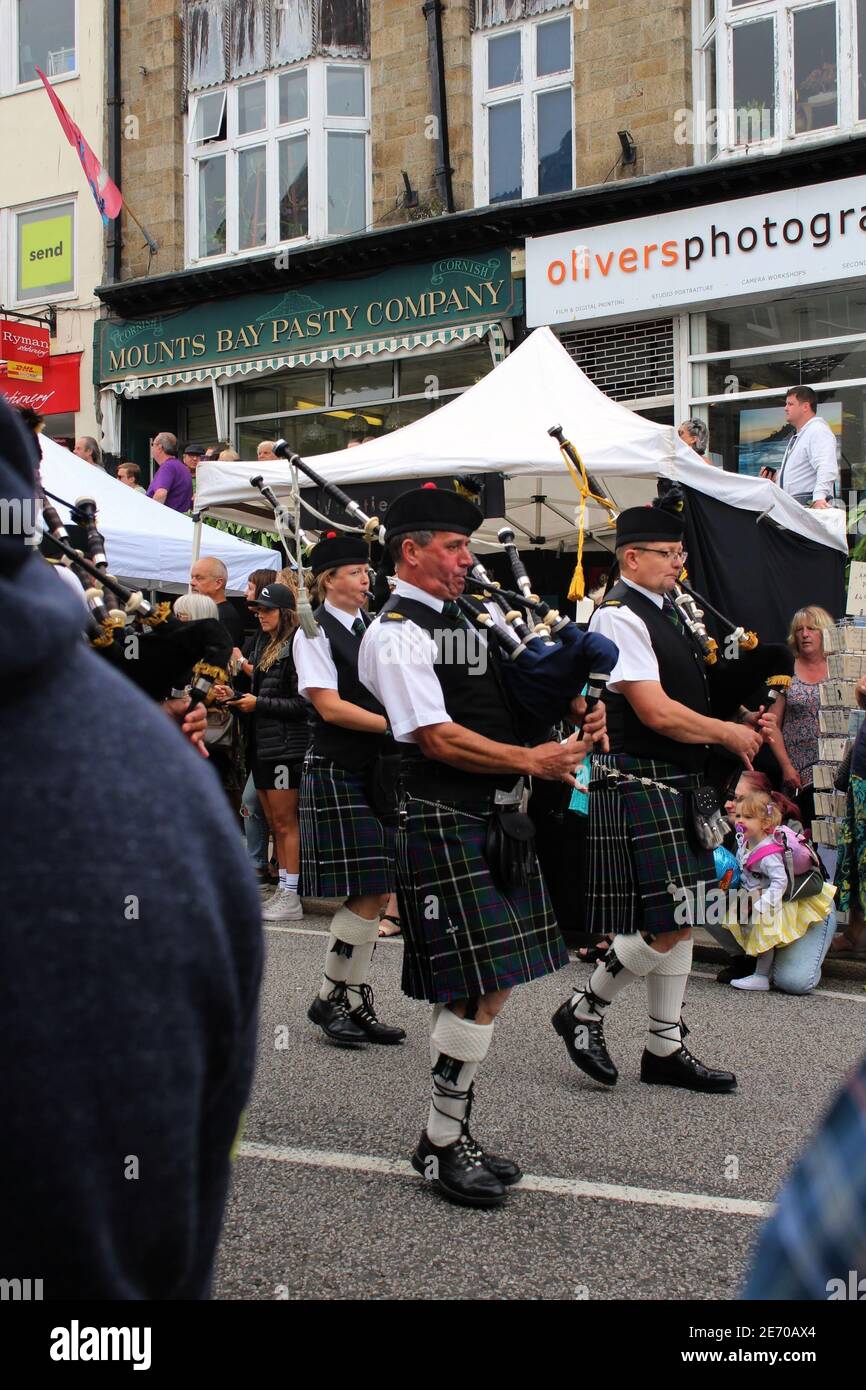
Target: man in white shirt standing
[{"x": 809, "y": 471}]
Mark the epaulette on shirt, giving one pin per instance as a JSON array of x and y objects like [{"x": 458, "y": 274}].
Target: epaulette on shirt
[
  {"x": 611, "y": 603},
  {"x": 395, "y": 617}
]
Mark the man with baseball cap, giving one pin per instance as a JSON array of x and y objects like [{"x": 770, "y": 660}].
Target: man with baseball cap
[
  {"x": 643, "y": 870},
  {"x": 469, "y": 936}
]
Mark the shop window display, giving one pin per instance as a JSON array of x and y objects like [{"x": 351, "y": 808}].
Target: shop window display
[{"x": 756, "y": 353}]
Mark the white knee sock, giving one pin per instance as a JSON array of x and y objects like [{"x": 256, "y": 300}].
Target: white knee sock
[
  {"x": 629, "y": 958},
  {"x": 665, "y": 991},
  {"x": 457, "y": 1046},
  {"x": 359, "y": 969},
  {"x": 348, "y": 931}
]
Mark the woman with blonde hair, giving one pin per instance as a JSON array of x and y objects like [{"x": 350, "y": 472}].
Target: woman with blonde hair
[
  {"x": 348, "y": 812},
  {"x": 794, "y": 740}
]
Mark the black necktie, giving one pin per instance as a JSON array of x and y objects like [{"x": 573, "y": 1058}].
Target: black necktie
[{"x": 359, "y": 627}]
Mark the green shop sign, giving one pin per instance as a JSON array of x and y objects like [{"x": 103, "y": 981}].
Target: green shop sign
[{"x": 417, "y": 298}]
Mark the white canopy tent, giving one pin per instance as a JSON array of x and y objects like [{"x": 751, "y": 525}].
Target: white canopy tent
[
  {"x": 146, "y": 545},
  {"x": 501, "y": 425}
]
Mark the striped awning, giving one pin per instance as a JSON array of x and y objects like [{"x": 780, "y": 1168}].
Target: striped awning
[{"x": 395, "y": 346}]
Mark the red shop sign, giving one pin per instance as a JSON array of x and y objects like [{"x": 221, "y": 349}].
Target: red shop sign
[
  {"x": 24, "y": 342},
  {"x": 59, "y": 391}
]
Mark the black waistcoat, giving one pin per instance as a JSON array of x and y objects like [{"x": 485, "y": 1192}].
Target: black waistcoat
[
  {"x": 348, "y": 748},
  {"x": 682, "y": 675},
  {"x": 473, "y": 696}
]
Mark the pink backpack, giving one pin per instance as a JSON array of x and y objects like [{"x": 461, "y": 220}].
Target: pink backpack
[{"x": 799, "y": 858}]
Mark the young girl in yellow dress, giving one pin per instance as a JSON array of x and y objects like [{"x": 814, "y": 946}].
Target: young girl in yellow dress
[{"x": 760, "y": 854}]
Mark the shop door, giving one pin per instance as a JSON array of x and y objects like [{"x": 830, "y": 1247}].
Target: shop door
[{"x": 142, "y": 419}]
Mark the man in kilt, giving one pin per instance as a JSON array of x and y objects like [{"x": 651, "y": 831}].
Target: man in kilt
[
  {"x": 643, "y": 873},
  {"x": 347, "y": 847},
  {"x": 469, "y": 936}
]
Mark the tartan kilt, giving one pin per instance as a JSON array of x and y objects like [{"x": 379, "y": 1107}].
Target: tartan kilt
[
  {"x": 346, "y": 851},
  {"x": 463, "y": 935},
  {"x": 637, "y": 847}
]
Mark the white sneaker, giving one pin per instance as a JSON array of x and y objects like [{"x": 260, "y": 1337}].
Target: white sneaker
[
  {"x": 282, "y": 907},
  {"x": 759, "y": 982}
]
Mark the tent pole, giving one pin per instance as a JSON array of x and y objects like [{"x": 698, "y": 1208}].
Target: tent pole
[{"x": 196, "y": 536}]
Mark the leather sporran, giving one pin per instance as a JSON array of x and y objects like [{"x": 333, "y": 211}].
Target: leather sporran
[
  {"x": 510, "y": 847},
  {"x": 706, "y": 828},
  {"x": 382, "y": 787}
]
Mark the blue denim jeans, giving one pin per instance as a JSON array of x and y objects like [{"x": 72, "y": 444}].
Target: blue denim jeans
[
  {"x": 255, "y": 826},
  {"x": 796, "y": 968}
]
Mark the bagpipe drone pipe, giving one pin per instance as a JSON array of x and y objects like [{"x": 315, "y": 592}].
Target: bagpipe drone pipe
[{"x": 157, "y": 651}]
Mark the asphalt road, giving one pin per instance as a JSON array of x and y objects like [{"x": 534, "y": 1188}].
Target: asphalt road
[{"x": 638, "y": 1192}]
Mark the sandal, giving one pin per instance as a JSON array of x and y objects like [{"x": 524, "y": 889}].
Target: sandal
[
  {"x": 591, "y": 955},
  {"x": 398, "y": 930}
]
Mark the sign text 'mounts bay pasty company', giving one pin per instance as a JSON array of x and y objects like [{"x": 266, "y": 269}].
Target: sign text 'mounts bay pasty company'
[{"x": 453, "y": 291}]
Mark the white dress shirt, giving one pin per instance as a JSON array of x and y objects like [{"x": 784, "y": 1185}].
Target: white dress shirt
[
  {"x": 314, "y": 661},
  {"x": 397, "y": 664},
  {"x": 809, "y": 466},
  {"x": 637, "y": 661}
]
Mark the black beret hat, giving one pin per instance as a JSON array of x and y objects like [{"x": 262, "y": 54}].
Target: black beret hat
[
  {"x": 274, "y": 596},
  {"x": 648, "y": 524},
  {"x": 196, "y": 450},
  {"x": 335, "y": 550},
  {"x": 430, "y": 508}
]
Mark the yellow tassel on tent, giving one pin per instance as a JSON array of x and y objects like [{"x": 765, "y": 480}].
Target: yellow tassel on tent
[{"x": 577, "y": 588}]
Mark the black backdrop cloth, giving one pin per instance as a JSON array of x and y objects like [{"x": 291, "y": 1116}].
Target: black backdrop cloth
[{"x": 755, "y": 573}]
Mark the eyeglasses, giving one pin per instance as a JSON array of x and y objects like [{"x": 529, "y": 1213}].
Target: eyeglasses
[{"x": 679, "y": 555}]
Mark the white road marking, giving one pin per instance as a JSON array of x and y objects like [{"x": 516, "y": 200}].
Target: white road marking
[{"x": 556, "y": 1187}]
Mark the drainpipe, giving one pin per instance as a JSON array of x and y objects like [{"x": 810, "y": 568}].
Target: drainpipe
[
  {"x": 113, "y": 244},
  {"x": 432, "y": 11}
]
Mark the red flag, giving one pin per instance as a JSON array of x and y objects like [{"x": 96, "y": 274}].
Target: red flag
[{"x": 107, "y": 194}]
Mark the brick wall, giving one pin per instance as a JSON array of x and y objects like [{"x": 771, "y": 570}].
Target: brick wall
[
  {"x": 152, "y": 160},
  {"x": 626, "y": 361},
  {"x": 632, "y": 71}
]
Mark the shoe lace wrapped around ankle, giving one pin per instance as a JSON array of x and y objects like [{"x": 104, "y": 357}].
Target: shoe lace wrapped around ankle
[
  {"x": 338, "y": 996},
  {"x": 471, "y": 1144},
  {"x": 365, "y": 1009}
]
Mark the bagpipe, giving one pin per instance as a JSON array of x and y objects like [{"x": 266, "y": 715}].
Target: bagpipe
[
  {"x": 546, "y": 658},
  {"x": 157, "y": 651}
]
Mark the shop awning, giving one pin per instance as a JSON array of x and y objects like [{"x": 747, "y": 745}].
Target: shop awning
[{"x": 434, "y": 339}]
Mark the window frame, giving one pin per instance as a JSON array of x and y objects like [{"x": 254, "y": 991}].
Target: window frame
[
  {"x": 9, "y": 84},
  {"x": 718, "y": 32},
  {"x": 526, "y": 91},
  {"x": 315, "y": 126},
  {"x": 39, "y": 205}
]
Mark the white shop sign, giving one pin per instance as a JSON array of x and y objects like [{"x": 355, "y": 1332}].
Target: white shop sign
[{"x": 772, "y": 242}]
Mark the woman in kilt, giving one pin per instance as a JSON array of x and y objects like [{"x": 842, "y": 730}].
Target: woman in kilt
[
  {"x": 643, "y": 871},
  {"x": 347, "y": 848}
]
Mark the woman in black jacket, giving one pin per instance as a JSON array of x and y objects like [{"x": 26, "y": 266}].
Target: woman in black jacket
[{"x": 277, "y": 735}]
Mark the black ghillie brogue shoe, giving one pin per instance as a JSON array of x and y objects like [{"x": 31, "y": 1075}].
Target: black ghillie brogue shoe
[{"x": 584, "y": 1039}]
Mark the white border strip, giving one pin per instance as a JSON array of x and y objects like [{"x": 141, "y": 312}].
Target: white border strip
[{"x": 555, "y": 1187}]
